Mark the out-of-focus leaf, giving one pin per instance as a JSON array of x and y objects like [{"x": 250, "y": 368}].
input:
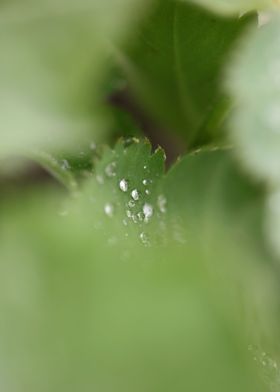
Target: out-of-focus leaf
[
  {"x": 175, "y": 67},
  {"x": 86, "y": 305},
  {"x": 254, "y": 83},
  {"x": 216, "y": 205},
  {"x": 236, "y": 7},
  {"x": 53, "y": 55}
]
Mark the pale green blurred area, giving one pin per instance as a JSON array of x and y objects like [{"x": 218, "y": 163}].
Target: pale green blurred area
[
  {"x": 86, "y": 306},
  {"x": 54, "y": 55},
  {"x": 79, "y": 314},
  {"x": 253, "y": 82},
  {"x": 90, "y": 300}
]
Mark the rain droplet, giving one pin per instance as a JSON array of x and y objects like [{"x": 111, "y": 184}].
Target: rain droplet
[
  {"x": 128, "y": 214},
  {"x": 123, "y": 185},
  {"x": 135, "y": 194},
  {"x": 144, "y": 239},
  {"x": 145, "y": 167},
  {"x": 110, "y": 169},
  {"x": 134, "y": 218},
  {"x": 131, "y": 204},
  {"x": 147, "y": 191},
  {"x": 140, "y": 216},
  {"x": 128, "y": 141},
  {"x": 148, "y": 211},
  {"x": 109, "y": 209},
  {"x": 162, "y": 203},
  {"x": 146, "y": 182}
]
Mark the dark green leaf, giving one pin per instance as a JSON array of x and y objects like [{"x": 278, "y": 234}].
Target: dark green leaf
[{"x": 175, "y": 64}]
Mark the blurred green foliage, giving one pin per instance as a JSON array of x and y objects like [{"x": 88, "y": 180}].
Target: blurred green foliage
[{"x": 117, "y": 272}]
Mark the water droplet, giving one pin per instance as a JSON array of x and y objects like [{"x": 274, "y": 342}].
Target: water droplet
[
  {"x": 148, "y": 211},
  {"x": 135, "y": 194},
  {"x": 147, "y": 191},
  {"x": 162, "y": 203},
  {"x": 146, "y": 182},
  {"x": 123, "y": 185},
  {"x": 110, "y": 169},
  {"x": 128, "y": 214},
  {"x": 134, "y": 218},
  {"x": 144, "y": 239},
  {"x": 125, "y": 222},
  {"x": 128, "y": 141},
  {"x": 131, "y": 204},
  {"x": 109, "y": 209},
  {"x": 140, "y": 216},
  {"x": 145, "y": 167},
  {"x": 65, "y": 165}
]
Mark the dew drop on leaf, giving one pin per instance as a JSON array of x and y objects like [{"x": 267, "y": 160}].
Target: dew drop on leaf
[
  {"x": 135, "y": 194},
  {"x": 146, "y": 182},
  {"x": 110, "y": 169},
  {"x": 109, "y": 209},
  {"x": 162, "y": 203},
  {"x": 144, "y": 239},
  {"x": 147, "y": 211},
  {"x": 124, "y": 222},
  {"x": 123, "y": 185},
  {"x": 131, "y": 204}
]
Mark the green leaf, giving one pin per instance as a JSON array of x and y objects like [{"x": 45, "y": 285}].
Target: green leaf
[
  {"x": 175, "y": 68},
  {"x": 53, "y": 56},
  {"x": 253, "y": 82},
  {"x": 114, "y": 314},
  {"x": 89, "y": 300},
  {"x": 129, "y": 176}
]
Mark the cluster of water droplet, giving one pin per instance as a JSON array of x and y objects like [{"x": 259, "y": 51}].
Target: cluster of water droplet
[
  {"x": 269, "y": 368},
  {"x": 136, "y": 204}
]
